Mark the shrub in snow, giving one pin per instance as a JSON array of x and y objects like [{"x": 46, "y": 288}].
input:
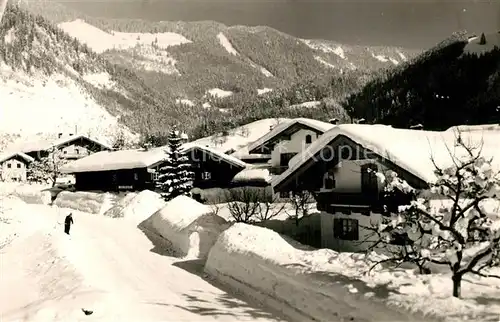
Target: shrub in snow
[
  {"x": 462, "y": 232},
  {"x": 249, "y": 205},
  {"x": 91, "y": 202},
  {"x": 190, "y": 226},
  {"x": 303, "y": 206},
  {"x": 175, "y": 176}
]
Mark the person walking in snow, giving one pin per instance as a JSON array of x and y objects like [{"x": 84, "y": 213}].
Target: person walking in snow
[{"x": 67, "y": 223}]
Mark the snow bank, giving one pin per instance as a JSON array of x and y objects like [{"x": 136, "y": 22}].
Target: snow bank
[
  {"x": 91, "y": 202},
  {"x": 137, "y": 207},
  {"x": 291, "y": 277},
  {"x": 12, "y": 210},
  {"x": 190, "y": 226},
  {"x": 52, "y": 287},
  {"x": 29, "y": 193},
  {"x": 117, "y": 210}
]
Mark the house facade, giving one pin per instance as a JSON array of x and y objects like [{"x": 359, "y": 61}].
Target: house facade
[
  {"x": 213, "y": 168},
  {"x": 70, "y": 147},
  {"x": 122, "y": 170},
  {"x": 345, "y": 168},
  {"x": 286, "y": 140},
  {"x": 14, "y": 167}
]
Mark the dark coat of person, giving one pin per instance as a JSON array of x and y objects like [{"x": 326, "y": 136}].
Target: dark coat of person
[{"x": 68, "y": 221}]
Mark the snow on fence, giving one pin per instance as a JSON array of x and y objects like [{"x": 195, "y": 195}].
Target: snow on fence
[
  {"x": 91, "y": 202},
  {"x": 29, "y": 193},
  {"x": 191, "y": 227},
  {"x": 137, "y": 206},
  {"x": 290, "y": 277}
]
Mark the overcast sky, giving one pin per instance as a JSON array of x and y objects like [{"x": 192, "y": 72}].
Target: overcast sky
[{"x": 407, "y": 23}]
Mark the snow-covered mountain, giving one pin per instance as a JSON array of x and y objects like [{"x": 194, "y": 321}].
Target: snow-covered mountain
[
  {"x": 51, "y": 84},
  {"x": 187, "y": 59}
]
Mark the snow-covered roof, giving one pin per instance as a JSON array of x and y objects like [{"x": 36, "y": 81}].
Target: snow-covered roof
[
  {"x": 240, "y": 136},
  {"x": 9, "y": 155},
  {"x": 244, "y": 154},
  {"x": 280, "y": 128},
  {"x": 253, "y": 174},
  {"x": 215, "y": 154},
  {"x": 412, "y": 150},
  {"x": 45, "y": 145},
  {"x": 116, "y": 160}
]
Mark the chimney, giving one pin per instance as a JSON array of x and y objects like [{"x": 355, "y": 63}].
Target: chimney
[
  {"x": 271, "y": 127},
  {"x": 334, "y": 121},
  {"x": 59, "y": 135},
  {"x": 417, "y": 127}
]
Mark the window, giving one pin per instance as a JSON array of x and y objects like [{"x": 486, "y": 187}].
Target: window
[
  {"x": 328, "y": 181},
  {"x": 65, "y": 152},
  {"x": 9, "y": 165},
  {"x": 154, "y": 176},
  {"x": 308, "y": 139},
  {"x": 19, "y": 165},
  {"x": 206, "y": 175},
  {"x": 136, "y": 176},
  {"x": 77, "y": 151},
  {"x": 285, "y": 158},
  {"x": 345, "y": 229}
]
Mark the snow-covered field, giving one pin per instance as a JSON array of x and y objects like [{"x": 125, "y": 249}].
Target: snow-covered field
[
  {"x": 51, "y": 105},
  {"x": 107, "y": 266},
  {"x": 100, "y": 40}
]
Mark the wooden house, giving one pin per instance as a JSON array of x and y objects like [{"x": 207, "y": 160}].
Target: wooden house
[
  {"x": 138, "y": 169},
  {"x": 343, "y": 169},
  {"x": 286, "y": 140},
  {"x": 212, "y": 168},
  {"x": 70, "y": 147},
  {"x": 13, "y": 166}
]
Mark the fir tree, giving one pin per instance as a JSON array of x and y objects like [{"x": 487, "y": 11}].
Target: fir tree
[
  {"x": 482, "y": 40},
  {"x": 175, "y": 176}
]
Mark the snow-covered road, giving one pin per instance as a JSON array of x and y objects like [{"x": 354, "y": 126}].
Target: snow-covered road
[{"x": 106, "y": 266}]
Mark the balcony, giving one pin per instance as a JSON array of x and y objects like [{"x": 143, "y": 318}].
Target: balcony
[{"x": 329, "y": 201}]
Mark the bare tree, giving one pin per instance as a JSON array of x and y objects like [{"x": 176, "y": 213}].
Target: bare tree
[
  {"x": 46, "y": 169},
  {"x": 463, "y": 233},
  {"x": 302, "y": 206},
  {"x": 270, "y": 209},
  {"x": 250, "y": 205}
]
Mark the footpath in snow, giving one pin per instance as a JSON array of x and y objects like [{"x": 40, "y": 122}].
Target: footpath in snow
[{"x": 107, "y": 266}]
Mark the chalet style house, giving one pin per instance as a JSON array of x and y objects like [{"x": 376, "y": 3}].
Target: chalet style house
[
  {"x": 286, "y": 140},
  {"x": 13, "y": 166},
  {"x": 212, "y": 168},
  {"x": 341, "y": 170},
  {"x": 135, "y": 170},
  {"x": 71, "y": 147}
]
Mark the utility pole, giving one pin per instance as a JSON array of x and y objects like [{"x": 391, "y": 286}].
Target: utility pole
[{"x": 3, "y": 4}]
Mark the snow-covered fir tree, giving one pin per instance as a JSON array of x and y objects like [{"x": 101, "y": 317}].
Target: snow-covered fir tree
[{"x": 175, "y": 176}]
